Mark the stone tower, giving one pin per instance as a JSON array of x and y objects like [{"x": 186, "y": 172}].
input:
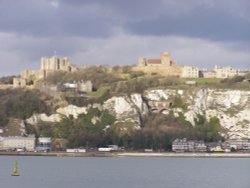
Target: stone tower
[
  {"x": 165, "y": 58},
  {"x": 141, "y": 62}
]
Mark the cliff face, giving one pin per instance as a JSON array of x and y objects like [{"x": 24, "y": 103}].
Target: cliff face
[
  {"x": 129, "y": 109},
  {"x": 232, "y": 107}
]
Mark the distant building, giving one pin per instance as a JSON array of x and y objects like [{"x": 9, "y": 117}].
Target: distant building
[
  {"x": 238, "y": 144},
  {"x": 225, "y": 72},
  {"x": 81, "y": 87},
  {"x": 163, "y": 66},
  {"x": 163, "y": 61},
  {"x": 189, "y": 72},
  {"x": 19, "y": 82},
  {"x": 55, "y": 64},
  {"x": 47, "y": 66},
  {"x": 207, "y": 74},
  {"x": 184, "y": 145},
  {"x": 221, "y": 72},
  {"x": 180, "y": 145},
  {"x": 17, "y": 142},
  {"x": 43, "y": 144},
  {"x": 85, "y": 86}
]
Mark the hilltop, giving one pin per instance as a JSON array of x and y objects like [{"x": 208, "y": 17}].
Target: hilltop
[{"x": 129, "y": 108}]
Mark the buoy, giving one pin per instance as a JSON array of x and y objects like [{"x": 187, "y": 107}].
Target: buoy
[{"x": 15, "y": 170}]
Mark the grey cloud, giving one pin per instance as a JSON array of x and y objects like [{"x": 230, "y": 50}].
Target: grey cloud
[
  {"x": 210, "y": 19},
  {"x": 202, "y": 23},
  {"x": 119, "y": 31},
  {"x": 41, "y": 18}
]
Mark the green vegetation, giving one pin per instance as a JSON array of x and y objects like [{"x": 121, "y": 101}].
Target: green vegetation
[
  {"x": 99, "y": 93},
  {"x": 99, "y": 76},
  {"x": 158, "y": 130},
  {"x": 208, "y": 130},
  {"x": 179, "y": 103},
  {"x": 21, "y": 104},
  {"x": 87, "y": 130},
  {"x": 202, "y": 81}
]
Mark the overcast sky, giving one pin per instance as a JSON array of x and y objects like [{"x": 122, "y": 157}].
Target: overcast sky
[{"x": 199, "y": 33}]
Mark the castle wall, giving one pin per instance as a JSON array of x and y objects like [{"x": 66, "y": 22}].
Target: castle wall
[
  {"x": 19, "y": 82},
  {"x": 163, "y": 71}
]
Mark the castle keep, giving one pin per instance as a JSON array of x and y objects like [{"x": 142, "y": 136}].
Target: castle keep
[{"x": 48, "y": 65}]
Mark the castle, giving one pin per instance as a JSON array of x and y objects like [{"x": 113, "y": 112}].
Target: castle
[
  {"x": 47, "y": 66},
  {"x": 162, "y": 62},
  {"x": 163, "y": 66}
]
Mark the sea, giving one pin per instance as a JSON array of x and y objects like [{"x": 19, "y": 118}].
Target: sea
[{"x": 125, "y": 172}]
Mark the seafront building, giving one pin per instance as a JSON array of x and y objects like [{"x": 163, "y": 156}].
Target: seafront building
[
  {"x": 17, "y": 142},
  {"x": 184, "y": 145},
  {"x": 43, "y": 144}
]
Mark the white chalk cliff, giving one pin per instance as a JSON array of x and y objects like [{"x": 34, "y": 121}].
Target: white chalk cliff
[{"x": 232, "y": 107}]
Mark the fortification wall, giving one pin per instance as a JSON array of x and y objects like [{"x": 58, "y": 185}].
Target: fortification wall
[{"x": 161, "y": 70}]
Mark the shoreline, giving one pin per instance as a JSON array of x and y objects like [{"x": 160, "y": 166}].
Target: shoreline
[{"x": 129, "y": 154}]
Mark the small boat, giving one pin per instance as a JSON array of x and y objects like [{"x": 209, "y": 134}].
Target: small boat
[{"x": 15, "y": 170}]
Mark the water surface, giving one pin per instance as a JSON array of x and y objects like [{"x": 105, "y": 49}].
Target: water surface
[{"x": 125, "y": 172}]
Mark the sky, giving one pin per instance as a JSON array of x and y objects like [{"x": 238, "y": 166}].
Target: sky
[{"x": 200, "y": 33}]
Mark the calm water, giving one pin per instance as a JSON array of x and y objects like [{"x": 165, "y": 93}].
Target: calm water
[{"x": 131, "y": 172}]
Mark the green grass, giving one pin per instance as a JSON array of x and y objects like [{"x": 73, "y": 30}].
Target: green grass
[
  {"x": 100, "y": 92},
  {"x": 202, "y": 81}
]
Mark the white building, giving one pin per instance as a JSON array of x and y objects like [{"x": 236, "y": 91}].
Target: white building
[
  {"x": 225, "y": 72},
  {"x": 190, "y": 72},
  {"x": 44, "y": 144},
  {"x": 17, "y": 142}
]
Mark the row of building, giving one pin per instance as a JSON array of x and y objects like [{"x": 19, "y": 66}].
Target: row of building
[
  {"x": 18, "y": 143},
  {"x": 184, "y": 145},
  {"x": 217, "y": 72},
  {"x": 167, "y": 67},
  {"x": 164, "y": 66}
]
